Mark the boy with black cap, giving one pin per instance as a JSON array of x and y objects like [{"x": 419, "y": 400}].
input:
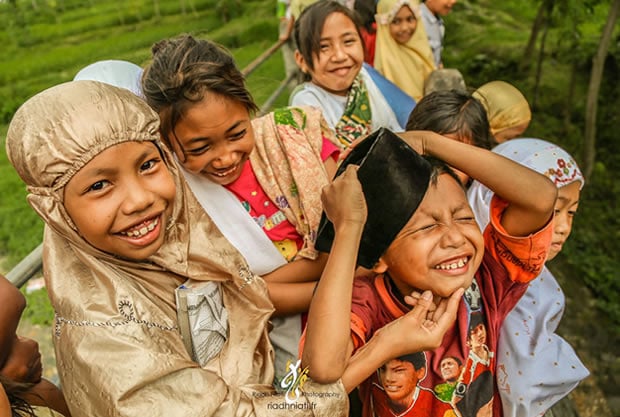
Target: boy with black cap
[{"x": 423, "y": 242}]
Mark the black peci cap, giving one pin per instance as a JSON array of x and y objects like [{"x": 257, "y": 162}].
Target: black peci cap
[{"x": 394, "y": 179}]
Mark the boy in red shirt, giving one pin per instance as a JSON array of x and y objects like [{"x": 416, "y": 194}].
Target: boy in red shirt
[{"x": 431, "y": 256}]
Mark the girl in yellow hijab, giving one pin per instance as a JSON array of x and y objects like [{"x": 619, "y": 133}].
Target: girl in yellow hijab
[
  {"x": 403, "y": 54},
  {"x": 507, "y": 109}
]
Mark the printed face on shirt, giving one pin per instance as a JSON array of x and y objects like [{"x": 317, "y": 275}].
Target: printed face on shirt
[
  {"x": 441, "y": 246},
  {"x": 122, "y": 199},
  {"x": 565, "y": 208},
  {"x": 399, "y": 379},
  {"x": 340, "y": 57},
  {"x": 450, "y": 369},
  {"x": 440, "y": 7},
  {"x": 214, "y": 138},
  {"x": 403, "y": 25}
]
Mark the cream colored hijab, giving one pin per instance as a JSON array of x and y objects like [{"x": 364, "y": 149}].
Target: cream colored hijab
[
  {"x": 407, "y": 65},
  {"x": 118, "y": 348},
  {"x": 506, "y": 106}
]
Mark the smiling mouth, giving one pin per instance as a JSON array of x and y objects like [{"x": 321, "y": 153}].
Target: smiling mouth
[
  {"x": 225, "y": 173},
  {"x": 142, "y": 229},
  {"x": 453, "y": 264}
]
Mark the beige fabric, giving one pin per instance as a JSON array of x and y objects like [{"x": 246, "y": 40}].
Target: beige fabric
[
  {"x": 119, "y": 352},
  {"x": 407, "y": 65},
  {"x": 287, "y": 163},
  {"x": 506, "y": 106}
]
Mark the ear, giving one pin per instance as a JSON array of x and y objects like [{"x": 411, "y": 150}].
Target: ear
[
  {"x": 301, "y": 62},
  {"x": 381, "y": 266}
]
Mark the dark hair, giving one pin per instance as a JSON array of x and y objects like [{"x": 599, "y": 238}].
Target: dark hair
[
  {"x": 14, "y": 392},
  {"x": 309, "y": 26},
  {"x": 452, "y": 111},
  {"x": 417, "y": 359},
  {"x": 366, "y": 10},
  {"x": 183, "y": 71},
  {"x": 439, "y": 167}
]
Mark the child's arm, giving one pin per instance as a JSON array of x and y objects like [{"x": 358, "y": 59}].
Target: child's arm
[
  {"x": 530, "y": 195},
  {"x": 422, "y": 328},
  {"x": 290, "y": 298},
  {"x": 5, "y": 405},
  {"x": 12, "y": 304},
  {"x": 330, "y": 310}
]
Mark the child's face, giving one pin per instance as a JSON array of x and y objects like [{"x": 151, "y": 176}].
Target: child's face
[
  {"x": 403, "y": 26},
  {"x": 565, "y": 208},
  {"x": 440, "y": 7},
  {"x": 122, "y": 199},
  {"x": 441, "y": 246},
  {"x": 340, "y": 58},
  {"x": 214, "y": 138}
]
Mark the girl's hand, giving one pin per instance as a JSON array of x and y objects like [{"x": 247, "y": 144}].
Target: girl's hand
[
  {"x": 343, "y": 199},
  {"x": 423, "y": 327}
]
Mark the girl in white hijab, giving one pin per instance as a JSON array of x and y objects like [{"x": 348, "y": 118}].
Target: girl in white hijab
[
  {"x": 535, "y": 366},
  {"x": 122, "y": 232}
]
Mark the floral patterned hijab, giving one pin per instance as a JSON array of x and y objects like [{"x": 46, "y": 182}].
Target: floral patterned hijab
[{"x": 543, "y": 157}]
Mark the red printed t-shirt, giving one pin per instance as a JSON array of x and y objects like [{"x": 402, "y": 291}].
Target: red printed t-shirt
[
  {"x": 508, "y": 264},
  {"x": 267, "y": 213}
]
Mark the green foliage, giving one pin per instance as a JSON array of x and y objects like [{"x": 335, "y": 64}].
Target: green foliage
[{"x": 39, "y": 310}]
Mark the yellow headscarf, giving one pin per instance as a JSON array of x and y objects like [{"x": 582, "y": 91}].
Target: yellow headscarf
[
  {"x": 407, "y": 65},
  {"x": 506, "y": 106}
]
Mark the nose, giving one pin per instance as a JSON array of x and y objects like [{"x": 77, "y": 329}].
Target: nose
[
  {"x": 339, "y": 53},
  {"x": 452, "y": 236},
  {"x": 138, "y": 197},
  {"x": 561, "y": 224}
]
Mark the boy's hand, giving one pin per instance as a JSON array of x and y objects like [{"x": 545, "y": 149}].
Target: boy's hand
[
  {"x": 343, "y": 199},
  {"x": 417, "y": 139},
  {"x": 423, "y": 327}
]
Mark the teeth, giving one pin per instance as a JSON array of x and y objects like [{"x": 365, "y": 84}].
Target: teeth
[
  {"x": 454, "y": 265},
  {"x": 225, "y": 173},
  {"x": 143, "y": 230}
]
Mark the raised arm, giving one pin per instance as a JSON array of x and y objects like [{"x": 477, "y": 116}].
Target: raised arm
[
  {"x": 329, "y": 317},
  {"x": 530, "y": 195}
]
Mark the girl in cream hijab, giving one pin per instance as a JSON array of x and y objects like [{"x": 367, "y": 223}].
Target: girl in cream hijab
[
  {"x": 403, "y": 54},
  {"x": 122, "y": 233}
]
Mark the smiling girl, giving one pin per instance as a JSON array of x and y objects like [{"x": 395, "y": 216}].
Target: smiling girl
[
  {"x": 330, "y": 53},
  {"x": 260, "y": 179},
  {"x": 403, "y": 54}
]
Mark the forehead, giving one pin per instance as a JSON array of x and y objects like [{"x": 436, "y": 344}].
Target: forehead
[
  {"x": 337, "y": 24},
  {"x": 444, "y": 194}
]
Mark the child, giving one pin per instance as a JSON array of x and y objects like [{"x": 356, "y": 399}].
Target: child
[
  {"x": 507, "y": 108},
  {"x": 331, "y": 55},
  {"x": 259, "y": 179},
  {"x": 456, "y": 115},
  {"x": 20, "y": 360},
  {"x": 432, "y": 12},
  {"x": 403, "y": 53},
  {"x": 439, "y": 252},
  {"x": 531, "y": 358},
  {"x": 123, "y": 231},
  {"x": 366, "y": 9}
]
